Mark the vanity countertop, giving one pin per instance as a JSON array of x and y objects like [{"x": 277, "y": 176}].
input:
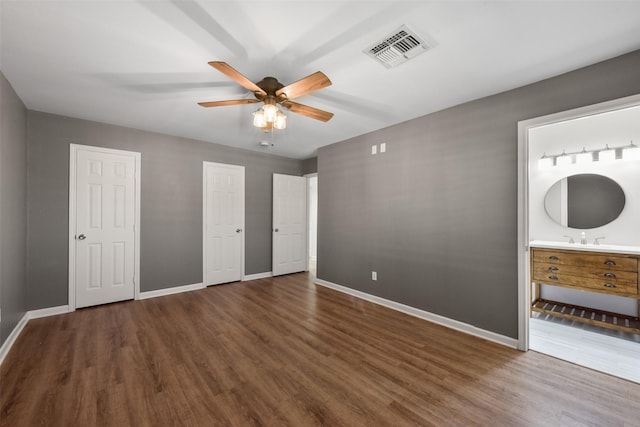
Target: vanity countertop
[{"x": 620, "y": 249}]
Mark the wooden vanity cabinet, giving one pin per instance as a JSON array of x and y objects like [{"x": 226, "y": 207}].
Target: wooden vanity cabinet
[{"x": 602, "y": 272}]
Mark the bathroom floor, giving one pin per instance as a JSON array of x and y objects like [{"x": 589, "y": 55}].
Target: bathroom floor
[{"x": 613, "y": 352}]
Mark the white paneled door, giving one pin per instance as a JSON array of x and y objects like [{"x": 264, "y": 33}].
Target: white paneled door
[
  {"x": 289, "y": 224},
  {"x": 223, "y": 213},
  {"x": 103, "y": 194}
]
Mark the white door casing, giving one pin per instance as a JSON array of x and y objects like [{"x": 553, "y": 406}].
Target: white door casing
[
  {"x": 104, "y": 210},
  {"x": 312, "y": 217},
  {"x": 289, "y": 224},
  {"x": 223, "y": 223}
]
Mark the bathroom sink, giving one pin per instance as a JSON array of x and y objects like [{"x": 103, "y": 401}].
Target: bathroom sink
[{"x": 624, "y": 249}]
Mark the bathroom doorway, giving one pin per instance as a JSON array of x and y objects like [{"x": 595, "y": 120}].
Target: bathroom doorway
[{"x": 555, "y": 153}]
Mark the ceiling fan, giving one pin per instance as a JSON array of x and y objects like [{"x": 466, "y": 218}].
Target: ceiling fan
[{"x": 271, "y": 92}]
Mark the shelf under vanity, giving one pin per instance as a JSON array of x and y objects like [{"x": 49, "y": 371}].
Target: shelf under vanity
[{"x": 606, "y": 269}]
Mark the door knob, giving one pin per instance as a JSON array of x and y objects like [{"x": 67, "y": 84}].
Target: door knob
[
  {"x": 82, "y": 237},
  {"x": 276, "y": 230},
  {"x": 238, "y": 230}
]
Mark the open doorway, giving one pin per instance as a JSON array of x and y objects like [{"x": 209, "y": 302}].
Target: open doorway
[
  {"x": 312, "y": 182},
  {"x": 571, "y": 305}
]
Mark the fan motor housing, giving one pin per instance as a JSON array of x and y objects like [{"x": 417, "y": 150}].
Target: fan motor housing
[{"x": 270, "y": 85}]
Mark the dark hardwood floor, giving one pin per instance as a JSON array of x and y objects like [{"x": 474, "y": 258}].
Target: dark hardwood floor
[{"x": 283, "y": 351}]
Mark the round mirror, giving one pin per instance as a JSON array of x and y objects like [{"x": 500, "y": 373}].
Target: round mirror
[{"x": 584, "y": 201}]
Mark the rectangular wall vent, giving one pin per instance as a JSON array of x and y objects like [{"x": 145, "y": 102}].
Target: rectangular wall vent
[{"x": 397, "y": 48}]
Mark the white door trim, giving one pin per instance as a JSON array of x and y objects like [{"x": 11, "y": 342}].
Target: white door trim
[
  {"x": 73, "y": 149},
  {"x": 205, "y": 164},
  {"x": 308, "y": 177},
  {"x": 524, "y": 290}
]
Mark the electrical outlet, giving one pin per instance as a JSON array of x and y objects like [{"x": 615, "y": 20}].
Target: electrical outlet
[
  {"x": 383, "y": 147},
  {"x": 374, "y": 275},
  {"x": 374, "y": 149}
]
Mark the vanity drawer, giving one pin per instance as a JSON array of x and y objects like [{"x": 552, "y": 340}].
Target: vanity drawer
[
  {"x": 588, "y": 283},
  {"x": 541, "y": 269},
  {"x": 586, "y": 259}
]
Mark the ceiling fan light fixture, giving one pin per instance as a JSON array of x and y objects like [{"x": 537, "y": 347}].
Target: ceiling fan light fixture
[
  {"x": 258, "y": 119},
  {"x": 271, "y": 92},
  {"x": 270, "y": 112},
  {"x": 280, "y": 121}
]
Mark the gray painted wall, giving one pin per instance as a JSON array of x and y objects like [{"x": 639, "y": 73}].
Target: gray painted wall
[
  {"x": 171, "y": 202},
  {"x": 13, "y": 208},
  {"x": 436, "y": 215},
  {"x": 310, "y": 165}
]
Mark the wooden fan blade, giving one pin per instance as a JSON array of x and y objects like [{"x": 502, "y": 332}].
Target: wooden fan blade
[
  {"x": 311, "y": 83},
  {"x": 305, "y": 110},
  {"x": 235, "y": 75},
  {"x": 230, "y": 102}
]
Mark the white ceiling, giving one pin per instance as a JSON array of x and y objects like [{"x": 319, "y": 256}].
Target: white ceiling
[{"x": 143, "y": 64}]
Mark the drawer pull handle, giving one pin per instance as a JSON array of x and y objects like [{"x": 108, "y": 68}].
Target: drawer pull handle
[
  {"x": 553, "y": 277},
  {"x": 609, "y": 285},
  {"x": 609, "y": 262},
  {"x": 553, "y": 268},
  {"x": 553, "y": 257},
  {"x": 610, "y": 275}
]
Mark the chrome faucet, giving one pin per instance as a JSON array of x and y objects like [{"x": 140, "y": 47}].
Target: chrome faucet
[
  {"x": 570, "y": 239},
  {"x": 596, "y": 241},
  {"x": 583, "y": 238}
]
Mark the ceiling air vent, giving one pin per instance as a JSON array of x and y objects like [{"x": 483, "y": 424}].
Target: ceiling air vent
[{"x": 398, "y": 47}]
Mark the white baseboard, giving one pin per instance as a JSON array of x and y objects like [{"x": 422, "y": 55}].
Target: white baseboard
[
  {"x": 171, "y": 291},
  {"x": 425, "y": 315},
  {"x": 11, "y": 339},
  {"x": 45, "y": 312},
  {"x": 257, "y": 276}
]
